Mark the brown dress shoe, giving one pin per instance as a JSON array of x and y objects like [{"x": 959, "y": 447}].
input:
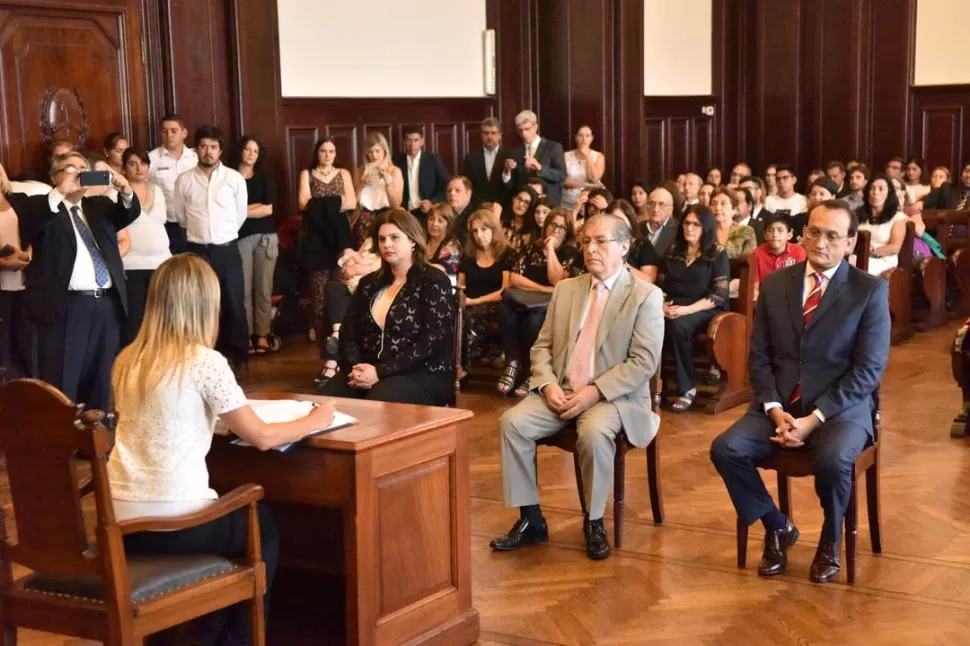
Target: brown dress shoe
[
  {"x": 774, "y": 560},
  {"x": 825, "y": 566}
]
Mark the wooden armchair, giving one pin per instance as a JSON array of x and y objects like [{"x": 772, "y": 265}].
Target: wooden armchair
[
  {"x": 797, "y": 463},
  {"x": 565, "y": 440},
  {"x": 900, "y": 279},
  {"x": 93, "y": 590}
]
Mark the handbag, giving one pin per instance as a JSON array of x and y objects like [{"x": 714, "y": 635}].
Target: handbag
[{"x": 525, "y": 299}]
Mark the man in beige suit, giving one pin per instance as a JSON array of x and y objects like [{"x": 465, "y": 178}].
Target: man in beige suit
[{"x": 599, "y": 346}]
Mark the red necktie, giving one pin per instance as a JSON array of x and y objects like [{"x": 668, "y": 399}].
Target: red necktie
[{"x": 808, "y": 311}]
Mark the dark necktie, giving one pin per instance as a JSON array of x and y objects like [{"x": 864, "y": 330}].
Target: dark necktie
[
  {"x": 101, "y": 274},
  {"x": 808, "y": 311}
]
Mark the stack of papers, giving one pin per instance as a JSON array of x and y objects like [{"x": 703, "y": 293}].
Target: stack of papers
[{"x": 274, "y": 411}]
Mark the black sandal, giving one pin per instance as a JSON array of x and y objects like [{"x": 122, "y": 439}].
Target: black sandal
[
  {"x": 506, "y": 383},
  {"x": 329, "y": 372},
  {"x": 684, "y": 402}
]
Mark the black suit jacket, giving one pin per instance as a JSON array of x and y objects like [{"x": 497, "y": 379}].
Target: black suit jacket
[
  {"x": 948, "y": 196},
  {"x": 325, "y": 233},
  {"x": 667, "y": 236},
  {"x": 432, "y": 177},
  {"x": 485, "y": 188},
  {"x": 838, "y": 360},
  {"x": 553, "y": 160},
  {"x": 55, "y": 247}
]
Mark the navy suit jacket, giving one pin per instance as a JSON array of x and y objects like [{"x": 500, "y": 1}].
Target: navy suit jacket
[
  {"x": 838, "y": 360},
  {"x": 553, "y": 160},
  {"x": 432, "y": 177},
  {"x": 55, "y": 248},
  {"x": 948, "y": 196},
  {"x": 485, "y": 188}
]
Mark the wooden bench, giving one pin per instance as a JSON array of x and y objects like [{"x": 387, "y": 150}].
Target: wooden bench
[
  {"x": 960, "y": 366},
  {"x": 900, "y": 279},
  {"x": 944, "y": 226}
]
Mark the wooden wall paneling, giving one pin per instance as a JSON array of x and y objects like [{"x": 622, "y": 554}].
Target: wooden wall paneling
[
  {"x": 444, "y": 141},
  {"x": 703, "y": 133},
  {"x": 654, "y": 151},
  {"x": 471, "y": 139},
  {"x": 554, "y": 61},
  {"x": 633, "y": 157},
  {"x": 349, "y": 146},
  {"x": 893, "y": 34},
  {"x": 941, "y": 125},
  {"x": 197, "y": 58},
  {"x": 730, "y": 78},
  {"x": 515, "y": 43},
  {"x": 689, "y": 136},
  {"x": 299, "y": 152},
  {"x": 69, "y": 72},
  {"x": 679, "y": 155}
]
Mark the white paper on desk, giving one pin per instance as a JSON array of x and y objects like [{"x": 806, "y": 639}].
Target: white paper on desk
[{"x": 274, "y": 411}]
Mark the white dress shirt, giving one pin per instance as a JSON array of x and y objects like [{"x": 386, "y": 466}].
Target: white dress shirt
[
  {"x": 212, "y": 209},
  {"x": 82, "y": 276},
  {"x": 490, "y": 156},
  {"x": 165, "y": 169},
  {"x": 809, "y": 285},
  {"x": 414, "y": 195},
  {"x": 652, "y": 235},
  {"x": 12, "y": 280}
]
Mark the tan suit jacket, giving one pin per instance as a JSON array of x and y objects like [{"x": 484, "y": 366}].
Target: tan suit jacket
[{"x": 628, "y": 346}]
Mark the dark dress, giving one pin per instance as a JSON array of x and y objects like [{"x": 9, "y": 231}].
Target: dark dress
[
  {"x": 520, "y": 324},
  {"x": 683, "y": 284},
  {"x": 414, "y": 353},
  {"x": 481, "y": 319}
]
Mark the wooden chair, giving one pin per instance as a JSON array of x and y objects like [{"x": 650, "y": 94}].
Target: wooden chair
[
  {"x": 900, "y": 279},
  {"x": 565, "y": 440},
  {"x": 93, "y": 590},
  {"x": 727, "y": 339},
  {"x": 797, "y": 463}
]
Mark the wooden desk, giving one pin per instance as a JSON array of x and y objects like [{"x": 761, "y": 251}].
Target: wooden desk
[{"x": 399, "y": 482}]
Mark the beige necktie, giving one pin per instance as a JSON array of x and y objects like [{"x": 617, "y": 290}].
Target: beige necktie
[{"x": 580, "y": 364}]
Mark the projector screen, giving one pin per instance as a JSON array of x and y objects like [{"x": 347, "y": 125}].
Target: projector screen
[
  {"x": 382, "y": 48},
  {"x": 677, "y": 43},
  {"x": 941, "y": 42}
]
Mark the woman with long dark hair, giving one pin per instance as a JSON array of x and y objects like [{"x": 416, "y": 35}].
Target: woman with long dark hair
[
  {"x": 882, "y": 215},
  {"x": 696, "y": 278}
]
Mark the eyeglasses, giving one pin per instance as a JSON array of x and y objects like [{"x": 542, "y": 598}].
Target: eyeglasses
[
  {"x": 814, "y": 233},
  {"x": 523, "y": 200},
  {"x": 658, "y": 205},
  {"x": 71, "y": 169},
  {"x": 692, "y": 223},
  {"x": 555, "y": 226},
  {"x": 597, "y": 243}
]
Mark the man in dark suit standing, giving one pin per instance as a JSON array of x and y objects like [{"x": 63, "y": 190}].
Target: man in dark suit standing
[
  {"x": 425, "y": 176},
  {"x": 484, "y": 167},
  {"x": 76, "y": 292},
  {"x": 536, "y": 156},
  {"x": 818, "y": 352},
  {"x": 951, "y": 195}
]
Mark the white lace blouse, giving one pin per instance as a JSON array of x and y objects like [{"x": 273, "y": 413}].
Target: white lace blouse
[{"x": 160, "y": 448}]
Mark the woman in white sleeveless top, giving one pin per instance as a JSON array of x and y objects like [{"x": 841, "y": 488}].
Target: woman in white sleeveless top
[{"x": 584, "y": 168}]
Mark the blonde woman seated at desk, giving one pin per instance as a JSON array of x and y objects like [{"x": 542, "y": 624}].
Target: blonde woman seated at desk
[{"x": 170, "y": 385}]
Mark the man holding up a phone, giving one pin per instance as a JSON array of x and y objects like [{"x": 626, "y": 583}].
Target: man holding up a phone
[{"x": 76, "y": 293}]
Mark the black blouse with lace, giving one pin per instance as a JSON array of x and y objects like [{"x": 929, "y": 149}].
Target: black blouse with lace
[
  {"x": 707, "y": 277},
  {"x": 419, "y": 331}
]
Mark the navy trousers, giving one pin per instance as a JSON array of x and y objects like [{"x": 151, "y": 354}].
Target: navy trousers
[{"x": 834, "y": 446}]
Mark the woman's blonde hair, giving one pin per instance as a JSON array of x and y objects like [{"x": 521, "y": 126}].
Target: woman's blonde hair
[
  {"x": 376, "y": 139},
  {"x": 181, "y": 313}
]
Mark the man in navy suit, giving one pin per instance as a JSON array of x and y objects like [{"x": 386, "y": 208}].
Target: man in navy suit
[
  {"x": 535, "y": 157},
  {"x": 484, "y": 167},
  {"x": 76, "y": 293},
  {"x": 425, "y": 176},
  {"x": 818, "y": 352}
]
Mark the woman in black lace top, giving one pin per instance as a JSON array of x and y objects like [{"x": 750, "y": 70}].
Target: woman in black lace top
[
  {"x": 695, "y": 282},
  {"x": 397, "y": 339}
]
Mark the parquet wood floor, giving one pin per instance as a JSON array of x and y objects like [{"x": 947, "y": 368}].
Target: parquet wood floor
[{"x": 677, "y": 583}]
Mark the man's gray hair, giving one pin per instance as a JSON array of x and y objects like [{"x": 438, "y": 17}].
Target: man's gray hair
[
  {"x": 621, "y": 227},
  {"x": 63, "y": 157},
  {"x": 526, "y": 116}
]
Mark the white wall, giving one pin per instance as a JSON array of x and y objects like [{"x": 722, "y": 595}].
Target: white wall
[
  {"x": 941, "y": 42},
  {"x": 677, "y": 43},
  {"x": 382, "y": 48}
]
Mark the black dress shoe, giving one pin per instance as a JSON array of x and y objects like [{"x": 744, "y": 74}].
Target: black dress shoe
[
  {"x": 597, "y": 544},
  {"x": 522, "y": 534},
  {"x": 825, "y": 565},
  {"x": 774, "y": 560}
]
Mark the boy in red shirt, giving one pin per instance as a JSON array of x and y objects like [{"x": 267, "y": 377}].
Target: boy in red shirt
[{"x": 777, "y": 252}]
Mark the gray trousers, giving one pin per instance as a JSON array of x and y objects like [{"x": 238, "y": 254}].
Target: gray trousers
[
  {"x": 531, "y": 420},
  {"x": 259, "y": 253}
]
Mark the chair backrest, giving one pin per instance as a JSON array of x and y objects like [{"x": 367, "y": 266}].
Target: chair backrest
[
  {"x": 952, "y": 220},
  {"x": 863, "y": 241},
  {"x": 743, "y": 269},
  {"x": 43, "y": 434},
  {"x": 905, "y": 261}
]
